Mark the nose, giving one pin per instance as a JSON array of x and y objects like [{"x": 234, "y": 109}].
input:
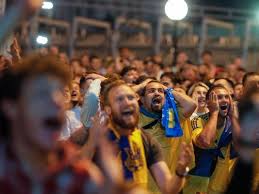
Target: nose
[
  {"x": 156, "y": 92},
  {"x": 126, "y": 101}
]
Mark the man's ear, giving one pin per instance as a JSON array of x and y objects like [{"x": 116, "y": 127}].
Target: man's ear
[
  {"x": 137, "y": 96},
  {"x": 9, "y": 108},
  {"x": 142, "y": 99},
  {"x": 108, "y": 110}
]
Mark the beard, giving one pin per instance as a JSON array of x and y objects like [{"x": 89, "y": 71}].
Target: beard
[
  {"x": 123, "y": 123},
  {"x": 156, "y": 108}
]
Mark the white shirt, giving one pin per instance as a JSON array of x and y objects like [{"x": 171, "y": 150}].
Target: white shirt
[
  {"x": 91, "y": 103},
  {"x": 71, "y": 126}
]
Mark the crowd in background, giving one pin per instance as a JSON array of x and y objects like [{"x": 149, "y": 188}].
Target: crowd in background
[{"x": 137, "y": 104}]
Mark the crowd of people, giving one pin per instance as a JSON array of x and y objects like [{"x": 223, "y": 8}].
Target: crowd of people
[{"x": 127, "y": 125}]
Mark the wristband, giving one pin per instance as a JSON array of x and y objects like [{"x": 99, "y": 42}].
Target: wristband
[{"x": 182, "y": 175}]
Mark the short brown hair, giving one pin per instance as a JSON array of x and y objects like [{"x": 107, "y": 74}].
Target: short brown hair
[
  {"x": 214, "y": 87},
  {"x": 143, "y": 91},
  {"x": 34, "y": 65},
  {"x": 108, "y": 88}
]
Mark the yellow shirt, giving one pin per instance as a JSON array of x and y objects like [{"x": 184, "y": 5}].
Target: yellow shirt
[
  {"x": 170, "y": 146},
  {"x": 224, "y": 167},
  {"x": 196, "y": 184},
  {"x": 256, "y": 177}
]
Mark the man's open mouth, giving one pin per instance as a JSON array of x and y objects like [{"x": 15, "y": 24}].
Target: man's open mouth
[
  {"x": 128, "y": 112},
  {"x": 157, "y": 100},
  {"x": 74, "y": 94},
  {"x": 224, "y": 107}
]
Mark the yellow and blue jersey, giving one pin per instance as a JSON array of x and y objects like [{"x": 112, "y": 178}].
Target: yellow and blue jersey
[
  {"x": 170, "y": 146},
  {"x": 214, "y": 164}
]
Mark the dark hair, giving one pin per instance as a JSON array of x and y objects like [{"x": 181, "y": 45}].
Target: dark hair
[
  {"x": 93, "y": 57},
  {"x": 127, "y": 69},
  {"x": 230, "y": 83},
  {"x": 31, "y": 66},
  {"x": 206, "y": 52},
  {"x": 82, "y": 81},
  {"x": 247, "y": 75},
  {"x": 214, "y": 87},
  {"x": 141, "y": 79},
  {"x": 143, "y": 91},
  {"x": 169, "y": 75},
  {"x": 91, "y": 72}
]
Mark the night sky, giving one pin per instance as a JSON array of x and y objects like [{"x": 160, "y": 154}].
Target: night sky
[{"x": 239, "y": 4}]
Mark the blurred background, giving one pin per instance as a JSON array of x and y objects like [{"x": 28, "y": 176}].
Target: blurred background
[{"x": 229, "y": 28}]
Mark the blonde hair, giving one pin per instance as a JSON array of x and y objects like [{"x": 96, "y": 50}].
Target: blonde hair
[{"x": 192, "y": 88}]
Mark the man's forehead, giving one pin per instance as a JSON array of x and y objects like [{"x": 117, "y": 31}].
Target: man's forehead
[
  {"x": 254, "y": 78},
  {"x": 221, "y": 91},
  {"x": 122, "y": 89},
  {"x": 154, "y": 85},
  {"x": 74, "y": 84},
  {"x": 131, "y": 71}
]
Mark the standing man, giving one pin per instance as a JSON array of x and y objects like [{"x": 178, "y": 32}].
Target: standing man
[
  {"x": 151, "y": 113},
  {"x": 212, "y": 138},
  {"x": 138, "y": 151}
]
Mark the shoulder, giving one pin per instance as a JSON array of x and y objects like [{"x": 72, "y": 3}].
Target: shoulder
[
  {"x": 205, "y": 117},
  {"x": 153, "y": 150}
]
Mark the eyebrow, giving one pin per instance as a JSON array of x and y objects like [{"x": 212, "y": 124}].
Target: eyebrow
[{"x": 155, "y": 88}]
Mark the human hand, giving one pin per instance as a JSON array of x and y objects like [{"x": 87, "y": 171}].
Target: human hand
[
  {"x": 233, "y": 110},
  {"x": 99, "y": 126},
  {"x": 15, "y": 50},
  {"x": 185, "y": 158},
  {"x": 95, "y": 76},
  {"x": 213, "y": 104}
]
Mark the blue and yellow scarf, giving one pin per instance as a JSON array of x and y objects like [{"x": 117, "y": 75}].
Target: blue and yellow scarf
[
  {"x": 169, "y": 118},
  {"x": 132, "y": 156}
]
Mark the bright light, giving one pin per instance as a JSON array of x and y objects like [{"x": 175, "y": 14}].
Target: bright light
[
  {"x": 47, "y": 5},
  {"x": 176, "y": 9},
  {"x": 43, "y": 40}
]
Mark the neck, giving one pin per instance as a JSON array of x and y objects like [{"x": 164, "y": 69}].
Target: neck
[
  {"x": 122, "y": 131},
  {"x": 33, "y": 160},
  {"x": 74, "y": 103},
  {"x": 147, "y": 111}
]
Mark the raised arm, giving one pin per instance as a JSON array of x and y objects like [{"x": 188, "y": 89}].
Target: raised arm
[
  {"x": 208, "y": 132},
  {"x": 91, "y": 103},
  {"x": 186, "y": 103},
  {"x": 168, "y": 183}
]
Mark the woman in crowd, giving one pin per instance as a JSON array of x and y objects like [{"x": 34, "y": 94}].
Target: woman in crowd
[{"x": 198, "y": 92}]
